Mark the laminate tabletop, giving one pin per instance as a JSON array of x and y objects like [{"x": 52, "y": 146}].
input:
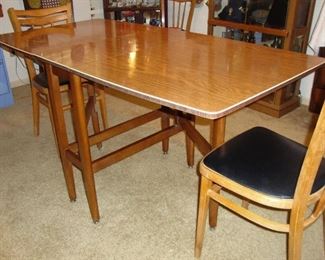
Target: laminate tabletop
[{"x": 199, "y": 74}]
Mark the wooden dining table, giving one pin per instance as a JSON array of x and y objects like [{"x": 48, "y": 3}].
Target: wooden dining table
[{"x": 187, "y": 74}]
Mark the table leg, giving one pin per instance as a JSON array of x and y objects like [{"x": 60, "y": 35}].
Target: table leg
[
  {"x": 190, "y": 146},
  {"x": 165, "y": 123},
  {"x": 93, "y": 112},
  {"x": 80, "y": 124},
  {"x": 218, "y": 128},
  {"x": 60, "y": 129},
  {"x": 218, "y": 132}
]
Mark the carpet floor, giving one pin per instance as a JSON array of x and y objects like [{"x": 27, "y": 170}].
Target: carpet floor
[{"x": 148, "y": 202}]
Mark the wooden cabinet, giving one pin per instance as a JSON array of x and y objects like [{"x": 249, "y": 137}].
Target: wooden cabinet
[
  {"x": 137, "y": 11},
  {"x": 318, "y": 92},
  {"x": 6, "y": 98},
  {"x": 289, "y": 31}
]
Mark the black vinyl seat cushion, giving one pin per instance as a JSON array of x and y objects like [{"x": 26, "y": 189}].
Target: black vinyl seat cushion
[
  {"x": 264, "y": 161},
  {"x": 41, "y": 79}
]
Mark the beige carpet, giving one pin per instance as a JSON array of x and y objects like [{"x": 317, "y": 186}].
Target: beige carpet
[{"x": 147, "y": 202}]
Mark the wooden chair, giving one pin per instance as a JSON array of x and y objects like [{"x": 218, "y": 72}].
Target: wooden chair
[
  {"x": 41, "y": 18},
  {"x": 37, "y": 4},
  {"x": 269, "y": 170},
  {"x": 178, "y": 19}
]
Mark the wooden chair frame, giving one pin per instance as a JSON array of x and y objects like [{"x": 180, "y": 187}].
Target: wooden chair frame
[
  {"x": 178, "y": 19},
  {"x": 43, "y": 18},
  {"x": 212, "y": 182}
]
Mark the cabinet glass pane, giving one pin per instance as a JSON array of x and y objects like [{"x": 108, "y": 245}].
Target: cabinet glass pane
[
  {"x": 133, "y": 11},
  {"x": 269, "y": 13}
]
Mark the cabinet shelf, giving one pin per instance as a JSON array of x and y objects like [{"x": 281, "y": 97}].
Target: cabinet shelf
[
  {"x": 156, "y": 11},
  {"x": 131, "y": 8}
]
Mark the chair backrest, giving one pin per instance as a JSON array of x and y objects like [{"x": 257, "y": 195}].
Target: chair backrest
[
  {"x": 36, "y": 4},
  {"x": 39, "y": 18},
  {"x": 36, "y": 19},
  {"x": 180, "y": 8},
  {"x": 314, "y": 155}
]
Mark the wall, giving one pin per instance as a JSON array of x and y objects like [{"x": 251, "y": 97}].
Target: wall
[
  {"x": 307, "y": 82},
  {"x": 81, "y": 10},
  {"x": 16, "y": 71}
]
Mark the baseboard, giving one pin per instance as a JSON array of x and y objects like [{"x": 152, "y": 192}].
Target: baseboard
[
  {"x": 19, "y": 83},
  {"x": 304, "y": 101}
]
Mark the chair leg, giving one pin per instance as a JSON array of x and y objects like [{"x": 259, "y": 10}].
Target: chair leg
[
  {"x": 296, "y": 229},
  {"x": 324, "y": 230},
  {"x": 183, "y": 16},
  {"x": 52, "y": 125},
  {"x": 295, "y": 241},
  {"x": 95, "y": 121},
  {"x": 94, "y": 114},
  {"x": 36, "y": 110},
  {"x": 73, "y": 126},
  {"x": 102, "y": 105},
  {"x": 213, "y": 208},
  {"x": 202, "y": 215},
  {"x": 174, "y": 5}
]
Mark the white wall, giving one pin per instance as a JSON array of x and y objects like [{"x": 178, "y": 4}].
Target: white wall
[
  {"x": 17, "y": 73},
  {"x": 81, "y": 10},
  {"x": 307, "y": 82}
]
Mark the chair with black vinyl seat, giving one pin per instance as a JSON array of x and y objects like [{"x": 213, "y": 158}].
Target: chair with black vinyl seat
[
  {"x": 270, "y": 170},
  {"x": 42, "y": 18}
]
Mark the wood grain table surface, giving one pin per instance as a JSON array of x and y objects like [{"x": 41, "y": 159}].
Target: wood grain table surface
[{"x": 194, "y": 73}]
